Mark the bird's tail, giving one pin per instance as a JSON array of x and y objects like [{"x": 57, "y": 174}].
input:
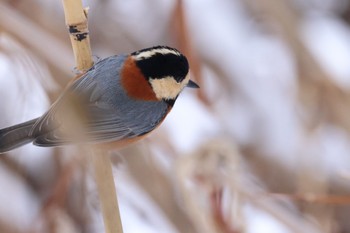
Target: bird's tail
[{"x": 16, "y": 136}]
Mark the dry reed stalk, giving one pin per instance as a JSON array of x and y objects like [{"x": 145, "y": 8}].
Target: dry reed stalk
[
  {"x": 8, "y": 228},
  {"x": 106, "y": 191},
  {"x": 321, "y": 99},
  {"x": 76, "y": 20},
  {"x": 329, "y": 199},
  {"x": 158, "y": 186},
  {"x": 185, "y": 45},
  {"x": 200, "y": 177},
  {"x": 219, "y": 164},
  {"x": 38, "y": 39}
]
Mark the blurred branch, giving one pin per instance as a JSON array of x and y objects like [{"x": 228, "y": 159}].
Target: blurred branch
[
  {"x": 20, "y": 172},
  {"x": 8, "y": 228},
  {"x": 145, "y": 172},
  {"x": 76, "y": 21},
  {"x": 316, "y": 199},
  {"x": 218, "y": 164},
  {"x": 200, "y": 180},
  {"x": 184, "y": 40},
  {"x": 56, "y": 201},
  {"x": 323, "y": 99},
  {"x": 28, "y": 32}
]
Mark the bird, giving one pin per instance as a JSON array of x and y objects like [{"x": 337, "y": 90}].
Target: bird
[{"x": 119, "y": 100}]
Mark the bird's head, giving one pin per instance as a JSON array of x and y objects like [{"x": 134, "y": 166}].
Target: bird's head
[{"x": 165, "y": 70}]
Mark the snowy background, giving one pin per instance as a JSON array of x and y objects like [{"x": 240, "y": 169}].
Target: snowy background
[{"x": 263, "y": 146}]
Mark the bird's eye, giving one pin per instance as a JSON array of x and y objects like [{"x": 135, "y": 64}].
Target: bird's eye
[{"x": 178, "y": 79}]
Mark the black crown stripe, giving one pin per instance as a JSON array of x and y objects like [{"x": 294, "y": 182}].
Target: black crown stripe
[{"x": 162, "y": 65}]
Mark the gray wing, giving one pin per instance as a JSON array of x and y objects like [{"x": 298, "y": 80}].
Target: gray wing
[{"x": 108, "y": 113}]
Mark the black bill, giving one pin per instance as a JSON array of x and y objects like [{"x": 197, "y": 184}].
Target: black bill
[{"x": 192, "y": 84}]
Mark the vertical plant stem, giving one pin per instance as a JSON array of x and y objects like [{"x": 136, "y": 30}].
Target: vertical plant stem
[
  {"x": 106, "y": 191},
  {"x": 76, "y": 20}
]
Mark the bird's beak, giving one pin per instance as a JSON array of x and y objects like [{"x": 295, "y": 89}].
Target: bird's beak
[{"x": 192, "y": 84}]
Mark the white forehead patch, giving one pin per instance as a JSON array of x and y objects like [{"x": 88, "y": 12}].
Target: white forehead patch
[
  {"x": 167, "y": 87},
  {"x": 150, "y": 53}
]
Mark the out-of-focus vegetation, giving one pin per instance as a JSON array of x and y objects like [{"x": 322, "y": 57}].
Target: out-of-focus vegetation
[{"x": 263, "y": 146}]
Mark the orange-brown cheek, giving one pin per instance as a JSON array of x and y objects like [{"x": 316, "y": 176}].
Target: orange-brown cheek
[{"x": 134, "y": 83}]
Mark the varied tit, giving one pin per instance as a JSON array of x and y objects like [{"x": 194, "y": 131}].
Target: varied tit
[{"x": 120, "y": 99}]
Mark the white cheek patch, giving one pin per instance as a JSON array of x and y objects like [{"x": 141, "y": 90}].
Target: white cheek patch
[
  {"x": 167, "y": 87},
  {"x": 151, "y": 53}
]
